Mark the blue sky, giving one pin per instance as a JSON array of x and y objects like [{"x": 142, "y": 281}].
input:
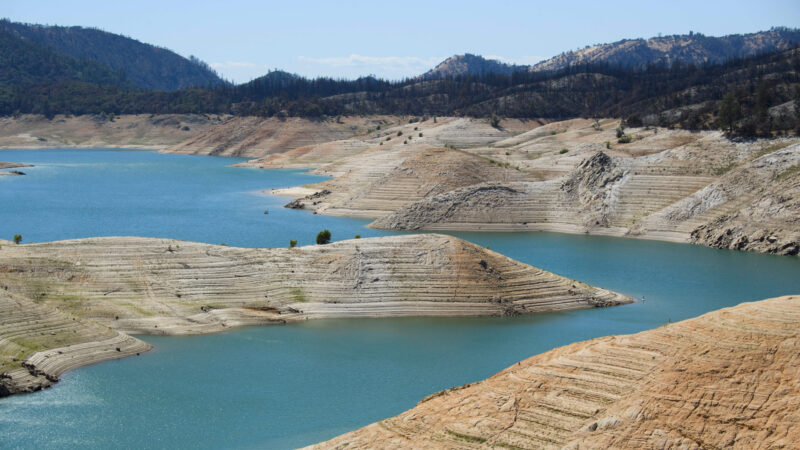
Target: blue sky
[{"x": 244, "y": 39}]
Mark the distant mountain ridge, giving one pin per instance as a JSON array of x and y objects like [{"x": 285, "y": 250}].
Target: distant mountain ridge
[
  {"x": 469, "y": 64},
  {"x": 144, "y": 65},
  {"x": 689, "y": 48}
]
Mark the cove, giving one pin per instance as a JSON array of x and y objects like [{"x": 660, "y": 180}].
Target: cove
[{"x": 289, "y": 386}]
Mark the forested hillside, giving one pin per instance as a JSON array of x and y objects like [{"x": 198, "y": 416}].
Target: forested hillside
[
  {"x": 144, "y": 65},
  {"x": 761, "y": 92},
  {"x": 23, "y": 62},
  {"x": 763, "y": 89}
]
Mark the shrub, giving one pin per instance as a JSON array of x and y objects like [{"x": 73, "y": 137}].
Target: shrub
[
  {"x": 562, "y": 151},
  {"x": 608, "y": 145},
  {"x": 292, "y": 243},
  {"x": 494, "y": 121},
  {"x": 17, "y": 238},
  {"x": 620, "y": 131},
  {"x": 399, "y": 133},
  {"x": 358, "y": 236},
  {"x": 420, "y": 135},
  {"x": 625, "y": 139},
  {"x": 323, "y": 237}
]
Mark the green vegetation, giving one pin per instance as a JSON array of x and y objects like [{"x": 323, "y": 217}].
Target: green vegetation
[
  {"x": 790, "y": 172},
  {"x": 562, "y": 151},
  {"x": 292, "y": 243},
  {"x": 358, "y": 236},
  {"x": 494, "y": 120},
  {"x": 625, "y": 139},
  {"x": 96, "y": 56},
  {"x": 298, "y": 296},
  {"x": 323, "y": 237},
  {"x": 55, "y": 70},
  {"x": 17, "y": 238},
  {"x": 466, "y": 438}
]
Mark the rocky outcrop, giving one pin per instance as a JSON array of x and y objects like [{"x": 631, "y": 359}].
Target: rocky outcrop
[
  {"x": 69, "y": 303},
  {"x": 768, "y": 218},
  {"x": 727, "y": 379}
]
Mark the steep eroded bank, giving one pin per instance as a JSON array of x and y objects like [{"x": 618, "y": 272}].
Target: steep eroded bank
[
  {"x": 727, "y": 379},
  {"x": 69, "y": 303}
]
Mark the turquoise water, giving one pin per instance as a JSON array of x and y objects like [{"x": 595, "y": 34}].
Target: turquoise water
[
  {"x": 295, "y": 385},
  {"x": 83, "y": 193}
]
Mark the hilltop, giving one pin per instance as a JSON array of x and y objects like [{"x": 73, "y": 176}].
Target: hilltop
[{"x": 469, "y": 64}]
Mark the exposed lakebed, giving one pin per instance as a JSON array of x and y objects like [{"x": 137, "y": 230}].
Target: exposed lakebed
[{"x": 294, "y": 385}]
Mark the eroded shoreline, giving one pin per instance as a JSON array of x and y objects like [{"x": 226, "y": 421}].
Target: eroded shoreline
[
  {"x": 726, "y": 379},
  {"x": 71, "y": 303}
]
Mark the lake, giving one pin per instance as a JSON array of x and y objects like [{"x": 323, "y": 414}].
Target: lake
[{"x": 288, "y": 386}]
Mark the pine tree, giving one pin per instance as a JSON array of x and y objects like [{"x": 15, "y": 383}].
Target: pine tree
[{"x": 729, "y": 112}]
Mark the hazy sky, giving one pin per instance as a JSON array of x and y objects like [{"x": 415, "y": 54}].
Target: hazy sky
[{"x": 243, "y": 39}]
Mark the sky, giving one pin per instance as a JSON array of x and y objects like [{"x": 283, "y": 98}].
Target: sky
[{"x": 243, "y": 39}]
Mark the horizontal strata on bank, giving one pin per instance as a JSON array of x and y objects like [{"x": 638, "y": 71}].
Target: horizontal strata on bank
[
  {"x": 727, "y": 379},
  {"x": 70, "y": 303}
]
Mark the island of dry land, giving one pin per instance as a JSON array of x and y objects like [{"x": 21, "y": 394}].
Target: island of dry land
[
  {"x": 8, "y": 165},
  {"x": 71, "y": 303},
  {"x": 727, "y": 379}
]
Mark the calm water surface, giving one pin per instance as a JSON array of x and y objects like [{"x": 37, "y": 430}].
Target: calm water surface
[{"x": 295, "y": 385}]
